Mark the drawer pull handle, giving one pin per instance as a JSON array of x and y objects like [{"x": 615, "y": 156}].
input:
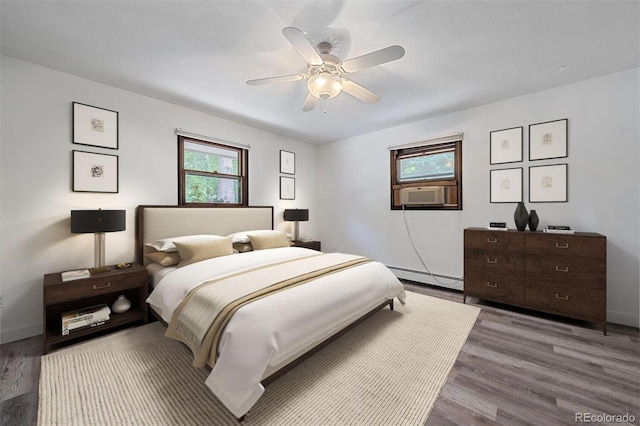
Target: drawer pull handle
[
  {"x": 98, "y": 287},
  {"x": 563, "y": 246},
  {"x": 494, "y": 285},
  {"x": 562, "y": 297},
  {"x": 492, "y": 260},
  {"x": 565, "y": 269},
  {"x": 492, "y": 240}
]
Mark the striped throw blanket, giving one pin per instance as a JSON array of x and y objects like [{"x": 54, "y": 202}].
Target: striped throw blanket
[{"x": 200, "y": 319}]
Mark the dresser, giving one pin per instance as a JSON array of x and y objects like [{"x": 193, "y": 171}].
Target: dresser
[{"x": 562, "y": 274}]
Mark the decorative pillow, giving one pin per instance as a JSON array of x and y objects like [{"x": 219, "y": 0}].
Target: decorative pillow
[
  {"x": 164, "y": 258},
  {"x": 274, "y": 239},
  {"x": 203, "y": 250},
  {"x": 242, "y": 247},
  {"x": 167, "y": 244}
]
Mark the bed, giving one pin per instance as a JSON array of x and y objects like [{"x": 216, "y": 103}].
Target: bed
[{"x": 279, "y": 303}]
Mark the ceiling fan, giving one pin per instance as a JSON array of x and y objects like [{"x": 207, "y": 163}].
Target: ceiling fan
[{"x": 327, "y": 75}]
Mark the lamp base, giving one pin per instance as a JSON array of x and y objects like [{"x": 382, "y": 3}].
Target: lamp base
[{"x": 99, "y": 270}]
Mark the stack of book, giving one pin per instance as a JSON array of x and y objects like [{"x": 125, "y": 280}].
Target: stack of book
[
  {"x": 558, "y": 229},
  {"x": 79, "y": 274},
  {"x": 81, "y": 319},
  {"x": 497, "y": 226}
]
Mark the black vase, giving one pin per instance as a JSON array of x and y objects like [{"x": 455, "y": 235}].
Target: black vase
[
  {"x": 533, "y": 220},
  {"x": 521, "y": 217}
]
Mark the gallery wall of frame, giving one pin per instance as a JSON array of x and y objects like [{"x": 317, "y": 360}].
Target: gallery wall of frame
[
  {"x": 287, "y": 183},
  {"x": 94, "y": 171},
  {"x": 547, "y": 183}
]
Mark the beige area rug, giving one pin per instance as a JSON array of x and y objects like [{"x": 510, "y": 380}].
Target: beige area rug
[{"x": 388, "y": 370}]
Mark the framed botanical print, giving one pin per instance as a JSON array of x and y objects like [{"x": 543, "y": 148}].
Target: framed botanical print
[
  {"x": 287, "y": 162},
  {"x": 505, "y": 185},
  {"x": 95, "y": 172},
  {"x": 548, "y": 184},
  {"x": 506, "y": 146},
  {"x": 95, "y": 126},
  {"x": 287, "y": 188},
  {"x": 548, "y": 140}
]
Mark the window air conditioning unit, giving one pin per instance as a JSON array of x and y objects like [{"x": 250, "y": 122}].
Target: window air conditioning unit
[{"x": 424, "y": 195}]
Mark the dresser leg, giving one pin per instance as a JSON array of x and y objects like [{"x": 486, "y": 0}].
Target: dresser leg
[
  {"x": 464, "y": 298},
  {"x": 604, "y": 328}
]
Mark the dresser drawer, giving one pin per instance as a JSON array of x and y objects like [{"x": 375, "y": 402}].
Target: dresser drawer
[
  {"x": 584, "y": 303},
  {"x": 495, "y": 288},
  {"x": 493, "y": 239},
  {"x": 574, "y": 270},
  {"x": 566, "y": 245},
  {"x": 94, "y": 286},
  {"x": 494, "y": 261}
]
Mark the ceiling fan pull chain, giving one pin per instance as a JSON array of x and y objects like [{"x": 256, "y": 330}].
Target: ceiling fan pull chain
[{"x": 324, "y": 111}]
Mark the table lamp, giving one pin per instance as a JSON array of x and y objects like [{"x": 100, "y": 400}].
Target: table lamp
[
  {"x": 296, "y": 215},
  {"x": 97, "y": 222}
]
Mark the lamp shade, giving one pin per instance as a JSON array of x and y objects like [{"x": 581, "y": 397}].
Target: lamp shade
[
  {"x": 92, "y": 221},
  {"x": 296, "y": 215}
]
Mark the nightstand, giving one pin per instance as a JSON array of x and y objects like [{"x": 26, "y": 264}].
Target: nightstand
[
  {"x": 313, "y": 245},
  {"x": 63, "y": 296}
]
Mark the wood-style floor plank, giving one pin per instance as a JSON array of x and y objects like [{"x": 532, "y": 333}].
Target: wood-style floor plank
[{"x": 517, "y": 368}]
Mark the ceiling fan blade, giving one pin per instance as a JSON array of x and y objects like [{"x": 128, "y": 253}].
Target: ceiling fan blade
[
  {"x": 310, "y": 102},
  {"x": 359, "y": 92},
  {"x": 302, "y": 45},
  {"x": 372, "y": 59},
  {"x": 279, "y": 79}
]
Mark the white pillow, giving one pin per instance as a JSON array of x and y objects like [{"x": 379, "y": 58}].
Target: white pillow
[
  {"x": 243, "y": 236},
  {"x": 166, "y": 244}
]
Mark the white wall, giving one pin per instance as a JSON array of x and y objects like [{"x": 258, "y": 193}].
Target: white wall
[
  {"x": 603, "y": 183},
  {"x": 35, "y": 177}
]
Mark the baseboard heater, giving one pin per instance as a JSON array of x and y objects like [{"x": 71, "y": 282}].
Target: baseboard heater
[
  {"x": 413, "y": 271},
  {"x": 456, "y": 285}
]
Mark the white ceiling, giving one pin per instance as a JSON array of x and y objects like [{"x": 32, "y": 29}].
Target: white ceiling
[{"x": 459, "y": 54}]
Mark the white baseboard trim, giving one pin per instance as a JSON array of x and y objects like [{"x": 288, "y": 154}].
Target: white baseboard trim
[
  {"x": 424, "y": 277},
  {"x": 20, "y": 333},
  {"x": 624, "y": 319}
]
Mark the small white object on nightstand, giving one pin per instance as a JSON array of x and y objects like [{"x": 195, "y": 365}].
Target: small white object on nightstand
[{"x": 122, "y": 304}]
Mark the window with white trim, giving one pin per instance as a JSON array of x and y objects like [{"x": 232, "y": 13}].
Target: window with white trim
[
  {"x": 212, "y": 173},
  {"x": 427, "y": 177}
]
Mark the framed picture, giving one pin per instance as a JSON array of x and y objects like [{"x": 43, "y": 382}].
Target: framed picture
[
  {"x": 548, "y": 140},
  {"x": 287, "y": 162},
  {"x": 506, "y": 186},
  {"x": 95, "y": 172},
  {"x": 95, "y": 126},
  {"x": 287, "y": 188},
  {"x": 506, "y": 145},
  {"x": 548, "y": 184}
]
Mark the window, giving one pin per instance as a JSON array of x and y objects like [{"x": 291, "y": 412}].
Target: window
[
  {"x": 427, "y": 177},
  {"x": 212, "y": 173}
]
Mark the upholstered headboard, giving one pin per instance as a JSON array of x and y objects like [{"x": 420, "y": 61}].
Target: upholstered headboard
[{"x": 156, "y": 222}]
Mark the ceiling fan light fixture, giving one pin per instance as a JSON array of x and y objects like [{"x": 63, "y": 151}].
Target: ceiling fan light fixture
[{"x": 324, "y": 85}]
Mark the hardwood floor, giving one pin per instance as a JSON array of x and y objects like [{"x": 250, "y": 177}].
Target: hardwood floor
[{"x": 516, "y": 368}]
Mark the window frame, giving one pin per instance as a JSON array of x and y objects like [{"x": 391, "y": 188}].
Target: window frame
[
  {"x": 454, "y": 199},
  {"x": 243, "y": 172}
]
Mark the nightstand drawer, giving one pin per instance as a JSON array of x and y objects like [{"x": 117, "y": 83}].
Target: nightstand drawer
[{"x": 94, "y": 286}]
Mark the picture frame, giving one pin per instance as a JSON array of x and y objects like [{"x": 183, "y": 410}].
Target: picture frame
[
  {"x": 506, "y": 145},
  {"x": 505, "y": 185},
  {"x": 548, "y": 140},
  {"x": 287, "y": 188},
  {"x": 94, "y": 126},
  {"x": 548, "y": 184},
  {"x": 287, "y": 162},
  {"x": 93, "y": 172}
]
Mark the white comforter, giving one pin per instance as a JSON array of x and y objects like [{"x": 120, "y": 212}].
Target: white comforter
[{"x": 271, "y": 330}]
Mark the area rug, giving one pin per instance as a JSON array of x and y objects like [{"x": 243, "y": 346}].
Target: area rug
[{"x": 387, "y": 370}]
